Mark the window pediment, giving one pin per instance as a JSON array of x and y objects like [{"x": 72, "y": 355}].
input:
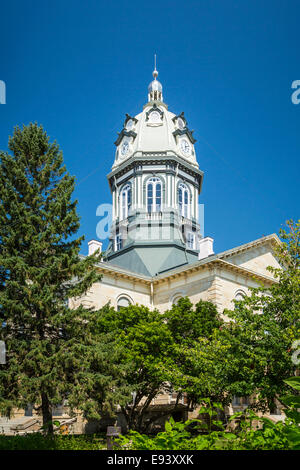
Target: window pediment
[
  {"x": 186, "y": 132},
  {"x": 124, "y": 133},
  {"x": 128, "y": 120},
  {"x": 154, "y": 116}
]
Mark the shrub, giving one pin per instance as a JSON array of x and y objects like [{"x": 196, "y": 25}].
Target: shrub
[{"x": 38, "y": 441}]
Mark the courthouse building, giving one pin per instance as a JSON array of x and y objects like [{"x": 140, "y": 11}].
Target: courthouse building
[{"x": 157, "y": 252}]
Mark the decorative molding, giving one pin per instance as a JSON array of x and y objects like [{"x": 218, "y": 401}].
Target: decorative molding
[
  {"x": 129, "y": 118},
  {"x": 181, "y": 116},
  {"x": 126, "y": 133},
  {"x": 185, "y": 131},
  {"x": 154, "y": 108},
  {"x": 213, "y": 263}
]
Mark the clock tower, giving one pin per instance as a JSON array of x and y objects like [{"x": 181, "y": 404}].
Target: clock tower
[{"x": 155, "y": 183}]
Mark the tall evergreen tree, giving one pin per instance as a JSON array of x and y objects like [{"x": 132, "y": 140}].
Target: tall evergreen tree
[{"x": 49, "y": 345}]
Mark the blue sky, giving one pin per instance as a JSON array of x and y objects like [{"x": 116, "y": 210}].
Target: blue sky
[{"x": 78, "y": 66}]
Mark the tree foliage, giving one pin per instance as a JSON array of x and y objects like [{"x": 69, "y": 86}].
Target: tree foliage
[
  {"x": 264, "y": 326},
  {"x": 176, "y": 352},
  {"x": 50, "y": 346}
]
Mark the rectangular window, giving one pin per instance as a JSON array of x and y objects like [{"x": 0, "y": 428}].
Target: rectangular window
[
  {"x": 150, "y": 197},
  {"x": 28, "y": 410},
  {"x": 57, "y": 410},
  {"x": 118, "y": 242},
  {"x": 158, "y": 198},
  {"x": 191, "y": 240},
  {"x": 240, "y": 401}
]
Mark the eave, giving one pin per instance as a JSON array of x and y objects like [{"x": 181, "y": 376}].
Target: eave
[
  {"x": 214, "y": 261},
  {"x": 138, "y": 158}
]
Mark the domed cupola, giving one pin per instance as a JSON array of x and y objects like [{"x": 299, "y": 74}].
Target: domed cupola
[
  {"x": 155, "y": 87},
  {"x": 155, "y": 183}
]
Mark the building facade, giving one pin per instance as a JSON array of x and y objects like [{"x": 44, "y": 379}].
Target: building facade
[{"x": 157, "y": 252}]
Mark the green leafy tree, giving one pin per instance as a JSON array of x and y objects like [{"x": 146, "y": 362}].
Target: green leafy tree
[
  {"x": 176, "y": 352},
  {"x": 264, "y": 326},
  {"x": 200, "y": 353},
  {"x": 146, "y": 354},
  {"x": 188, "y": 323},
  {"x": 50, "y": 346}
]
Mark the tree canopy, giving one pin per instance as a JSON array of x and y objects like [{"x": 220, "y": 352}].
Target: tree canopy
[{"x": 49, "y": 345}]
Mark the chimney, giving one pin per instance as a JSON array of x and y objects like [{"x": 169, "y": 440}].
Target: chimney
[
  {"x": 206, "y": 247},
  {"x": 93, "y": 246}
]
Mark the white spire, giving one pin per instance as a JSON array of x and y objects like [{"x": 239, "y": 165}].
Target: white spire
[
  {"x": 155, "y": 87},
  {"x": 155, "y": 72}
]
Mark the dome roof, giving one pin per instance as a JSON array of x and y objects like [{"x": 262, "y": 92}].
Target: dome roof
[
  {"x": 155, "y": 129},
  {"x": 155, "y": 85}
]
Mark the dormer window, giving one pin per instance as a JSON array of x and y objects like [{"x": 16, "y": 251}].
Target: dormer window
[
  {"x": 129, "y": 124},
  {"x": 180, "y": 123},
  {"x": 154, "y": 117}
]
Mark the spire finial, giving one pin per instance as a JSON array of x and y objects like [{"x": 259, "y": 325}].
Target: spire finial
[
  {"x": 155, "y": 87},
  {"x": 155, "y": 72}
]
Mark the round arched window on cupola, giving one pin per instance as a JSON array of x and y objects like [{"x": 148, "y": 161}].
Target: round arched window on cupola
[
  {"x": 154, "y": 195},
  {"x": 183, "y": 200},
  {"x": 125, "y": 201}
]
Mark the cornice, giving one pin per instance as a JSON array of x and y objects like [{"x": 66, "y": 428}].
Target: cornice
[
  {"x": 212, "y": 262},
  {"x": 110, "y": 269},
  {"x": 126, "y": 133},
  {"x": 147, "y": 158}
]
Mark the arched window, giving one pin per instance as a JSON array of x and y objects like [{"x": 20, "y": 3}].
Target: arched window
[
  {"x": 183, "y": 200},
  {"x": 240, "y": 295},
  {"x": 125, "y": 201},
  {"x": 123, "y": 302},
  {"x": 154, "y": 192},
  {"x": 176, "y": 297}
]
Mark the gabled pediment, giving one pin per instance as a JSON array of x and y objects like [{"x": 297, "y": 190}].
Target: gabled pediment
[{"x": 255, "y": 256}]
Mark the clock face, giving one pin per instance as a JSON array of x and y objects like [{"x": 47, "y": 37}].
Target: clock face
[
  {"x": 124, "y": 148},
  {"x": 185, "y": 147},
  {"x": 155, "y": 116}
]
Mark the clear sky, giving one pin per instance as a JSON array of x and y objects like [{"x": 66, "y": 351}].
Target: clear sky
[{"x": 78, "y": 66}]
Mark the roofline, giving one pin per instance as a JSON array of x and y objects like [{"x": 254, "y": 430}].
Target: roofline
[
  {"x": 273, "y": 238},
  {"x": 139, "y": 156},
  {"x": 214, "y": 260}
]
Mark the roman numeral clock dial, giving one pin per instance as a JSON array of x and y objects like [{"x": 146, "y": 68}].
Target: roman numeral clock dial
[
  {"x": 185, "y": 147},
  {"x": 124, "y": 148}
]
